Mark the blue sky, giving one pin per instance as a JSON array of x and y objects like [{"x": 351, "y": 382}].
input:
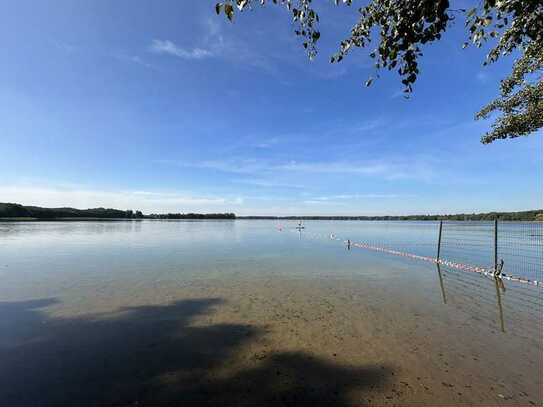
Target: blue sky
[{"x": 164, "y": 106}]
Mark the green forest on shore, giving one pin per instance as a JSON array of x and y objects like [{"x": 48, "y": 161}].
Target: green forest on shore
[
  {"x": 18, "y": 211},
  {"x": 526, "y": 216}
]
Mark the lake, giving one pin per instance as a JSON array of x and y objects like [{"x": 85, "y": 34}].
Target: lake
[{"x": 254, "y": 312}]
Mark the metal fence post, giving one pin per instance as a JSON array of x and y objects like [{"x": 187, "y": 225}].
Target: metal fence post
[
  {"x": 439, "y": 240},
  {"x": 495, "y": 246},
  {"x": 441, "y": 284}
]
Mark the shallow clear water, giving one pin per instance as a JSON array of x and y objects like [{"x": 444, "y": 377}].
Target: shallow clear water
[
  {"x": 52, "y": 258},
  {"x": 49, "y": 257},
  {"x": 58, "y": 278}
]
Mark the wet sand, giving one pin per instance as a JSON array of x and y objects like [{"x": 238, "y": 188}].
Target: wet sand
[{"x": 333, "y": 340}]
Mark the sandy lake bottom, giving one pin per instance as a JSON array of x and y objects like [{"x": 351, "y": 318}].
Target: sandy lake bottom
[{"x": 157, "y": 322}]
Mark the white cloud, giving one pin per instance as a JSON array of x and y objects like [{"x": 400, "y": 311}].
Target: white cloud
[
  {"x": 337, "y": 167},
  {"x": 265, "y": 183},
  {"x": 384, "y": 169},
  {"x": 343, "y": 200},
  {"x": 355, "y": 196},
  {"x": 247, "y": 166},
  {"x": 134, "y": 59},
  {"x": 269, "y": 143},
  {"x": 213, "y": 42},
  {"x": 233, "y": 49},
  {"x": 170, "y": 48}
]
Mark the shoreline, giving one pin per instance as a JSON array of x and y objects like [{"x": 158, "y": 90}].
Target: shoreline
[{"x": 255, "y": 218}]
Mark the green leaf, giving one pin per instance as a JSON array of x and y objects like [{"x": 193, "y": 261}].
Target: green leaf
[{"x": 229, "y": 11}]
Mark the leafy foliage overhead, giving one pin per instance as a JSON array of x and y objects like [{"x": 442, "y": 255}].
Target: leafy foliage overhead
[{"x": 401, "y": 27}]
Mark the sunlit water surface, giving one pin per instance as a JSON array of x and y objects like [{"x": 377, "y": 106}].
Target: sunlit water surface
[{"x": 80, "y": 269}]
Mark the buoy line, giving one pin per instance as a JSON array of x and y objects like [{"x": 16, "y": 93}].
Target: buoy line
[{"x": 486, "y": 271}]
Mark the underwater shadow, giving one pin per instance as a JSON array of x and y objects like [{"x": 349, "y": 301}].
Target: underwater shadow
[{"x": 156, "y": 356}]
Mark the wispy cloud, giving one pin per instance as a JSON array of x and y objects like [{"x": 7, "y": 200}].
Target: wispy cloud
[
  {"x": 355, "y": 197},
  {"x": 384, "y": 169},
  {"x": 118, "y": 55},
  {"x": 218, "y": 43},
  {"x": 264, "y": 183},
  {"x": 170, "y": 48},
  {"x": 226, "y": 45},
  {"x": 267, "y": 143},
  {"x": 336, "y": 167},
  {"x": 347, "y": 199},
  {"x": 134, "y": 59},
  {"x": 248, "y": 166}
]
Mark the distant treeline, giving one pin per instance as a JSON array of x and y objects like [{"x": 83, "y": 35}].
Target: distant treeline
[
  {"x": 192, "y": 216},
  {"x": 536, "y": 215},
  {"x": 13, "y": 210}
]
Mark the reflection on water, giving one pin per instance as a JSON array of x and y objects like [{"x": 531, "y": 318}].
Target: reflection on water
[
  {"x": 161, "y": 312},
  {"x": 499, "y": 287},
  {"x": 45, "y": 258},
  {"x": 443, "y": 295},
  {"x": 492, "y": 299}
]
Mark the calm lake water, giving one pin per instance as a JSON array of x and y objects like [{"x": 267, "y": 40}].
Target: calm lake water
[{"x": 72, "y": 293}]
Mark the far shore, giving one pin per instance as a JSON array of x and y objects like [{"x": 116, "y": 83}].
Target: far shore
[
  {"x": 14, "y": 211},
  {"x": 255, "y": 218},
  {"x": 26, "y": 219}
]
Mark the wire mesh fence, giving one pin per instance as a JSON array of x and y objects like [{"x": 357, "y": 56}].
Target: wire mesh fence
[
  {"x": 518, "y": 244},
  {"x": 508, "y": 307},
  {"x": 468, "y": 255},
  {"x": 471, "y": 245}
]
